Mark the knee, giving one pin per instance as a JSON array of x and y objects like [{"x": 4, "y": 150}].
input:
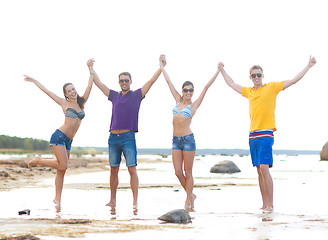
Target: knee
[
  {"x": 114, "y": 170},
  {"x": 132, "y": 170},
  {"x": 179, "y": 173},
  {"x": 188, "y": 174},
  {"x": 62, "y": 167},
  {"x": 262, "y": 169}
]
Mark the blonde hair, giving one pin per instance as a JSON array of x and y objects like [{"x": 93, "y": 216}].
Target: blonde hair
[{"x": 255, "y": 67}]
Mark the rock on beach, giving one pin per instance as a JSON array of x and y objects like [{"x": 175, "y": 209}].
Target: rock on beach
[
  {"x": 324, "y": 152},
  {"x": 176, "y": 216},
  {"x": 225, "y": 167}
]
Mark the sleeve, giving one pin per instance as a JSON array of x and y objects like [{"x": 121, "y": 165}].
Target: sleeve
[
  {"x": 111, "y": 95},
  {"x": 139, "y": 94},
  {"x": 245, "y": 91},
  {"x": 277, "y": 86}
]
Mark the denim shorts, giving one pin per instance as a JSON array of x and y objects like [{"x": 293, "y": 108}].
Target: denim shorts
[
  {"x": 261, "y": 151},
  {"x": 59, "y": 138},
  {"x": 122, "y": 143},
  {"x": 185, "y": 143}
]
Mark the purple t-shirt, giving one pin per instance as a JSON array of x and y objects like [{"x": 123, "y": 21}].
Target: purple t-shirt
[{"x": 125, "y": 109}]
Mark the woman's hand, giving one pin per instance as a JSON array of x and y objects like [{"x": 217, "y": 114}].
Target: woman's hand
[
  {"x": 162, "y": 60},
  {"x": 29, "y": 79},
  {"x": 90, "y": 64}
]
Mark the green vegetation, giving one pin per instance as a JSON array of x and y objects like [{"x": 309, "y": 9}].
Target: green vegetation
[{"x": 16, "y": 144}]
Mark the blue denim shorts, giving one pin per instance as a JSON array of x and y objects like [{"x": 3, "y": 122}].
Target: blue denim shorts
[
  {"x": 122, "y": 143},
  {"x": 261, "y": 151},
  {"x": 185, "y": 143},
  {"x": 59, "y": 138}
]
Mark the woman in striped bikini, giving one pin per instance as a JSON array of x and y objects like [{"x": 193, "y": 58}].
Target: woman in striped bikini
[{"x": 183, "y": 143}]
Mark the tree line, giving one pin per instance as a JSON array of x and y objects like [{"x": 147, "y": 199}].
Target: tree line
[{"x": 29, "y": 144}]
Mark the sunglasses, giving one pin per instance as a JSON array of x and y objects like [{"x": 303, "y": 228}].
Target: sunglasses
[
  {"x": 124, "y": 80},
  {"x": 256, "y": 74},
  {"x": 185, "y": 90}
]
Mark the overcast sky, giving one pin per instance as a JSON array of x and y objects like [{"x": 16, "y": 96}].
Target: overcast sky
[{"x": 52, "y": 41}]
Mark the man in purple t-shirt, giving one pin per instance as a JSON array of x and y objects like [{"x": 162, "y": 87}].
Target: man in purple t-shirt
[{"x": 124, "y": 124}]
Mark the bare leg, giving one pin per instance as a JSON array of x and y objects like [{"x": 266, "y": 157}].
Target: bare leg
[
  {"x": 113, "y": 182},
  {"x": 267, "y": 187},
  {"x": 60, "y": 162},
  {"x": 188, "y": 160},
  {"x": 262, "y": 188},
  {"x": 62, "y": 155},
  {"x": 134, "y": 183},
  {"x": 185, "y": 177}
]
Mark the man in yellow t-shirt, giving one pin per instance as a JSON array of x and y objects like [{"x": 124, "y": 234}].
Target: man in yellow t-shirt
[{"x": 262, "y": 104}]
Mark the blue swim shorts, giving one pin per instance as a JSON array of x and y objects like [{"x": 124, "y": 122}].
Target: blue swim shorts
[
  {"x": 59, "y": 138},
  {"x": 261, "y": 151},
  {"x": 122, "y": 143},
  {"x": 185, "y": 143}
]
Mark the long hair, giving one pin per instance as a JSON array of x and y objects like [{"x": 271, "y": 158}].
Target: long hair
[{"x": 80, "y": 100}]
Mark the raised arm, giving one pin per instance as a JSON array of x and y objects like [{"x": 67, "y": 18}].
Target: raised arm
[
  {"x": 197, "y": 103},
  {"x": 229, "y": 80},
  {"x": 53, "y": 96},
  {"x": 90, "y": 82},
  {"x": 145, "y": 88},
  {"x": 301, "y": 74},
  {"x": 162, "y": 63},
  {"x": 96, "y": 79}
]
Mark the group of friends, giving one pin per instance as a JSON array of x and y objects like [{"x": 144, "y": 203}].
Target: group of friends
[{"x": 124, "y": 125}]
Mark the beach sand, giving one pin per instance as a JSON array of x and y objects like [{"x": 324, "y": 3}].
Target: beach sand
[{"x": 227, "y": 206}]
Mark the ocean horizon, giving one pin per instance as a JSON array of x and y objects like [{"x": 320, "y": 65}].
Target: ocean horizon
[{"x": 209, "y": 151}]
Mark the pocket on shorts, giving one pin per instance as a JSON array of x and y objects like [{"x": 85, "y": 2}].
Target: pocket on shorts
[{"x": 189, "y": 139}]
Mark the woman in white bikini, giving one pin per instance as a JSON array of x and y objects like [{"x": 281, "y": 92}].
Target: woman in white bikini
[{"x": 183, "y": 143}]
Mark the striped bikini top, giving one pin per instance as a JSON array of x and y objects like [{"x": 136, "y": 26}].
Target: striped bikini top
[
  {"x": 186, "y": 111},
  {"x": 72, "y": 113}
]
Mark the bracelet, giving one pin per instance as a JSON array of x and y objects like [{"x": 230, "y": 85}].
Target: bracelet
[{"x": 92, "y": 73}]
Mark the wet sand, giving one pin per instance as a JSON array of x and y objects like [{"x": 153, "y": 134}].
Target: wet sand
[{"x": 227, "y": 206}]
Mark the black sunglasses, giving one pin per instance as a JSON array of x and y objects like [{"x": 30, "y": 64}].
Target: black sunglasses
[
  {"x": 124, "y": 80},
  {"x": 185, "y": 90},
  {"x": 256, "y": 74}
]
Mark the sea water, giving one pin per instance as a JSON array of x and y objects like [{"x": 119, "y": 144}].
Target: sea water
[{"x": 227, "y": 205}]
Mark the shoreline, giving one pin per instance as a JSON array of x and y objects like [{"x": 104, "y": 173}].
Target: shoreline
[
  {"x": 15, "y": 173},
  {"x": 229, "y": 201}
]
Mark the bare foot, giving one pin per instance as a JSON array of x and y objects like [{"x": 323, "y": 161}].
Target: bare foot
[
  {"x": 57, "y": 203},
  {"x": 189, "y": 207},
  {"x": 193, "y": 198},
  {"x": 34, "y": 161},
  {"x": 111, "y": 204},
  {"x": 135, "y": 206},
  {"x": 268, "y": 210}
]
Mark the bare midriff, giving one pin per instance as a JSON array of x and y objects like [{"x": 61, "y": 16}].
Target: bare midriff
[
  {"x": 70, "y": 127},
  {"x": 119, "y": 131},
  {"x": 181, "y": 125}
]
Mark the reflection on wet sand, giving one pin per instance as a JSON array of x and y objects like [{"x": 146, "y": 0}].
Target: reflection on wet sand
[{"x": 225, "y": 203}]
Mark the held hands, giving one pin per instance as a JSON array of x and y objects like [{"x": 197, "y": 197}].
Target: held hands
[
  {"x": 162, "y": 60},
  {"x": 90, "y": 64},
  {"x": 220, "y": 66}
]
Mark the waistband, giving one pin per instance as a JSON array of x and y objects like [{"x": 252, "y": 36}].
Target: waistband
[
  {"x": 260, "y": 134},
  {"x": 63, "y": 134},
  {"x": 122, "y": 135},
  {"x": 183, "y": 137}
]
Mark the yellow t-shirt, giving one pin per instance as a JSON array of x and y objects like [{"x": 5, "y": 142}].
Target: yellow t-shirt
[{"x": 262, "y": 105}]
